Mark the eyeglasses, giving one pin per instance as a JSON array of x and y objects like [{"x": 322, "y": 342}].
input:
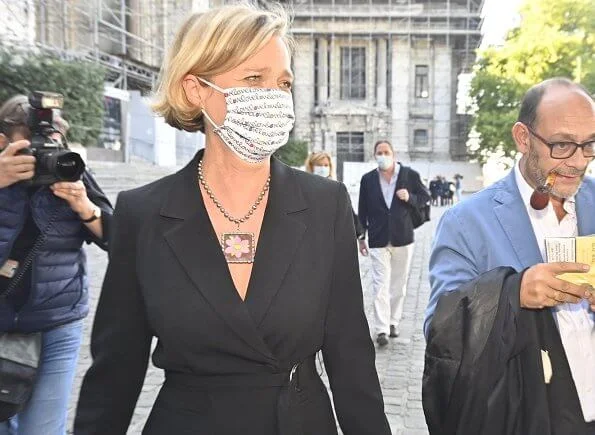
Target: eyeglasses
[{"x": 565, "y": 150}]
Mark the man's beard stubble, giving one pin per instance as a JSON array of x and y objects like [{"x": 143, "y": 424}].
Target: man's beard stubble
[{"x": 539, "y": 178}]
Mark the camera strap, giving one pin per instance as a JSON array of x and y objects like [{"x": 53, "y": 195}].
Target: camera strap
[{"x": 28, "y": 261}]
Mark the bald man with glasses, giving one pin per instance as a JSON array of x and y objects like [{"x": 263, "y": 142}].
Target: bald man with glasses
[{"x": 511, "y": 347}]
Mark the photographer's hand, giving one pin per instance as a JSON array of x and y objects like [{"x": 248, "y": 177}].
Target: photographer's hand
[
  {"x": 75, "y": 194},
  {"x": 13, "y": 167}
]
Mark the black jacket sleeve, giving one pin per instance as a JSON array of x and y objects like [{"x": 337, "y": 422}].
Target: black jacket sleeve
[
  {"x": 359, "y": 230},
  {"x": 121, "y": 338},
  {"x": 347, "y": 349},
  {"x": 362, "y": 209},
  {"x": 98, "y": 198}
]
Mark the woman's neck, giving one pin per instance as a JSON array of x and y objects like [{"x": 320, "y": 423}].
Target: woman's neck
[{"x": 235, "y": 183}]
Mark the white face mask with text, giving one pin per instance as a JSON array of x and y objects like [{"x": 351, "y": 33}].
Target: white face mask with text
[{"x": 257, "y": 123}]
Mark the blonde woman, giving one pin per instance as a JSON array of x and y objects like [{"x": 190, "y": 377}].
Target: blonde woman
[
  {"x": 321, "y": 163},
  {"x": 242, "y": 267}
]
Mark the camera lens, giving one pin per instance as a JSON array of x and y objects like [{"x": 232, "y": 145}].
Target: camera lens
[{"x": 69, "y": 166}]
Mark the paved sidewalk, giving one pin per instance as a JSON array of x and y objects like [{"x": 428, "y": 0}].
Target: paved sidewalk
[{"x": 399, "y": 365}]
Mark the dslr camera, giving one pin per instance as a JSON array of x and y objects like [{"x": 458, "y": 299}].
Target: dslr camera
[{"x": 54, "y": 161}]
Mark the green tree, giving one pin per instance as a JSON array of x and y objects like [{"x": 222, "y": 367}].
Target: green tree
[
  {"x": 293, "y": 153},
  {"x": 80, "y": 82},
  {"x": 556, "y": 38}
]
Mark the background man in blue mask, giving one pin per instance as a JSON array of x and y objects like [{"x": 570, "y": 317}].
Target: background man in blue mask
[{"x": 387, "y": 197}]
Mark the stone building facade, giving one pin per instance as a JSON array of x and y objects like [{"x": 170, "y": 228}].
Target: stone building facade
[{"x": 375, "y": 70}]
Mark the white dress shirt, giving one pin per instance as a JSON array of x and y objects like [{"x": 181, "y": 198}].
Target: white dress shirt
[
  {"x": 388, "y": 189},
  {"x": 576, "y": 322}
]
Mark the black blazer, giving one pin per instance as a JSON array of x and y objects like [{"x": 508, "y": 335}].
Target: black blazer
[
  {"x": 230, "y": 364},
  {"x": 394, "y": 224}
]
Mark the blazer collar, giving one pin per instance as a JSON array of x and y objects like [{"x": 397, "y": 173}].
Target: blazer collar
[
  {"x": 399, "y": 183},
  {"x": 585, "y": 206},
  {"x": 377, "y": 187},
  {"x": 182, "y": 201},
  {"x": 197, "y": 248},
  {"x": 512, "y": 215}
]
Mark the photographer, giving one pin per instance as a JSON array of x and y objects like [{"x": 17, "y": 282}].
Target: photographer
[{"x": 51, "y": 297}]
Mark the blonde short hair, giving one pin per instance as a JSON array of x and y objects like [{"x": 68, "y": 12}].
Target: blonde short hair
[
  {"x": 316, "y": 158},
  {"x": 212, "y": 43}
]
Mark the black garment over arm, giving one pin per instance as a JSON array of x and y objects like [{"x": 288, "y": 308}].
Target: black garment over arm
[
  {"x": 98, "y": 198},
  {"x": 483, "y": 372}
]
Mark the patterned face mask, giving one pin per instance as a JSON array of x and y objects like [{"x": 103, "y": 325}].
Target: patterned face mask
[{"x": 257, "y": 123}]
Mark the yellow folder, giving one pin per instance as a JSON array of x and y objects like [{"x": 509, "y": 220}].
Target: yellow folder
[{"x": 573, "y": 249}]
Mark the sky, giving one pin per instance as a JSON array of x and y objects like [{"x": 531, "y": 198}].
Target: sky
[{"x": 499, "y": 17}]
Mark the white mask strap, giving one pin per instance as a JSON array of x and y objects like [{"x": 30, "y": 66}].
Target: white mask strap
[
  {"x": 206, "y": 115},
  {"x": 213, "y": 85}
]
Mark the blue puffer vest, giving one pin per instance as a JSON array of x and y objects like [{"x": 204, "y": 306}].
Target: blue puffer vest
[{"x": 59, "y": 288}]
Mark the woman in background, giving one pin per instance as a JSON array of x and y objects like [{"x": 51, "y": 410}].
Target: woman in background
[{"x": 321, "y": 163}]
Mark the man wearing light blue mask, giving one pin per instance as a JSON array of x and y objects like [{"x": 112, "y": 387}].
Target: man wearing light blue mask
[{"x": 388, "y": 197}]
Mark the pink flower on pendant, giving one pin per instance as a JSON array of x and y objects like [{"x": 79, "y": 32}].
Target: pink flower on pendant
[{"x": 237, "y": 247}]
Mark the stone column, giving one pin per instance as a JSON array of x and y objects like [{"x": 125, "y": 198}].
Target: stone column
[
  {"x": 322, "y": 71},
  {"x": 381, "y": 55},
  {"x": 335, "y": 68}
]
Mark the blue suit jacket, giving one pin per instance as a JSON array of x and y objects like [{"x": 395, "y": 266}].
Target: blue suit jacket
[{"x": 491, "y": 229}]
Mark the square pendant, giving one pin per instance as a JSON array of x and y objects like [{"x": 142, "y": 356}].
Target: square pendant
[{"x": 238, "y": 247}]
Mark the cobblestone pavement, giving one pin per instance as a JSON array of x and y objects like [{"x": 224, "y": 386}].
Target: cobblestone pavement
[{"x": 399, "y": 365}]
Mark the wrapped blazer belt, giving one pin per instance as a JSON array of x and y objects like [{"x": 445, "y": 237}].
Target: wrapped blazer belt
[{"x": 288, "y": 380}]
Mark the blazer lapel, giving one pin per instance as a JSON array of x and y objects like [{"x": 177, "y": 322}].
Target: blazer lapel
[
  {"x": 401, "y": 183},
  {"x": 280, "y": 236},
  {"x": 512, "y": 215},
  {"x": 197, "y": 248},
  {"x": 585, "y": 205},
  {"x": 402, "y": 178},
  {"x": 376, "y": 186}
]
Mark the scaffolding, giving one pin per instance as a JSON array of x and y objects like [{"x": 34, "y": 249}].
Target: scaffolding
[
  {"x": 386, "y": 28},
  {"x": 127, "y": 37}
]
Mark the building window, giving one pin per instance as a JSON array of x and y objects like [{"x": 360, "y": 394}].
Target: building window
[
  {"x": 350, "y": 148},
  {"x": 353, "y": 73},
  {"x": 420, "y": 138},
  {"x": 422, "y": 81}
]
